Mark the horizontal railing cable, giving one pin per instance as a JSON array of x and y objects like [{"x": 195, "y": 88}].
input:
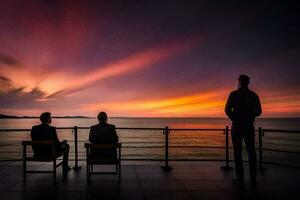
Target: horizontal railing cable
[{"x": 166, "y": 144}]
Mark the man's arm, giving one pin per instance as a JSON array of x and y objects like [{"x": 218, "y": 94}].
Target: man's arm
[
  {"x": 32, "y": 133},
  {"x": 115, "y": 138},
  {"x": 92, "y": 138},
  {"x": 228, "y": 107},
  {"x": 257, "y": 107},
  {"x": 54, "y": 136}
]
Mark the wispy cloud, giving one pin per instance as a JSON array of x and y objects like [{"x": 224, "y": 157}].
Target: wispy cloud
[
  {"x": 9, "y": 60},
  {"x": 18, "y": 97},
  {"x": 135, "y": 62},
  {"x": 5, "y": 84}
]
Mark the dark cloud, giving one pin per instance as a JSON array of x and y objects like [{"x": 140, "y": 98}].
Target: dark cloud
[
  {"x": 9, "y": 60},
  {"x": 19, "y": 98},
  {"x": 4, "y": 79},
  {"x": 13, "y": 97},
  {"x": 5, "y": 83}
]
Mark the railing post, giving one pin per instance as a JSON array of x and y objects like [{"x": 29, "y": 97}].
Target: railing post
[
  {"x": 260, "y": 135},
  {"x": 24, "y": 162},
  {"x": 166, "y": 167},
  {"x": 76, "y": 167},
  {"x": 226, "y": 132}
]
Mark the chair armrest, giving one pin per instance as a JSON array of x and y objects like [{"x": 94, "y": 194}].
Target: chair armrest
[
  {"x": 30, "y": 143},
  {"x": 102, "y": 146},
  {"x": 104, "y": 160}
]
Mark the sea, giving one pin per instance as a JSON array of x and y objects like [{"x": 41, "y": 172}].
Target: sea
[{"x": 279, "y": 147}]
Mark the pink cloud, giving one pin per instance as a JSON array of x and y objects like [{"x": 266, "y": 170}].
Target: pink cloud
[{"x": 138, "y": 61}]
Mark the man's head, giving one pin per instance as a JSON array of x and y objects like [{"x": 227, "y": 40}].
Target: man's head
[
  {"x": 45, "y": 118},
  {"x": 243, "y": 80},
  {"x": 102, "y": 117}
]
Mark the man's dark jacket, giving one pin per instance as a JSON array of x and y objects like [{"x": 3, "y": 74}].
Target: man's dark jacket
[
  {"x": 103, "y": 133},
  {"x": 242, "y": 107},
  {"x": 44, "y": 132}
]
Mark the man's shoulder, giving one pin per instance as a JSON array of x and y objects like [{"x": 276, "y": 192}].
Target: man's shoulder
[
  {"x": 252, "y": 94},
  {"x": 234, "y": 92},
  {"x": 36, "y": 126},
  {"x": 243, "y": 92},
  {"x": 111, "y": 125},
  {"x": 41, "y": 126},
  {"x": 96, "y": 126},
  {"x": 102, "y": 126}
]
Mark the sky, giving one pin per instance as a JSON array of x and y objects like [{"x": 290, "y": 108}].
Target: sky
[{"x": 146, "y": 58}]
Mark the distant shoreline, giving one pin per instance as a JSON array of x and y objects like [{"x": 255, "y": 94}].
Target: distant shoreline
[{"x": 33, "y": 117}]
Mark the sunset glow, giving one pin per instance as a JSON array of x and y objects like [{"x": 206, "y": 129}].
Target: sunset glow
[
  {"x": 143, "y": 60},
  {"x": 206, "y": 104},
  {"x": 130, "y": 64}
]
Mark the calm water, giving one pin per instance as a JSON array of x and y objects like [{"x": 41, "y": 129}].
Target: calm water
[{"x": 148, "y": 143}]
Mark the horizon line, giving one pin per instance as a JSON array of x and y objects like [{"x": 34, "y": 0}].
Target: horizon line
[{"x": 202, "y": 117}]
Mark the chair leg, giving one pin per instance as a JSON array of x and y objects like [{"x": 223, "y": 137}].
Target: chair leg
[
  {"x": 87, "y": 165},
  {"x": 64, "y": 173},
  {"x": 24, "y": 163},
  {"x": 119, "y": 166},
  {"x": 24, "y": 170},
  {"x": 88, "y": 171},
  {"x": 54, "y": 171}
]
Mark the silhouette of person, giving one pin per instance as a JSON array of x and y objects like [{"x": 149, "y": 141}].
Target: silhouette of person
[
  {"x": 242, "y": 106},
  {"x": 103, "y": 133},
  {"x": 46, "y": 132}
]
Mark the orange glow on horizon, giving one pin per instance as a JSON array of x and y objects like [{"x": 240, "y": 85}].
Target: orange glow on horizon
[
  {"x": 206, "y": 104},
  {"x": 203, "y": 104}
]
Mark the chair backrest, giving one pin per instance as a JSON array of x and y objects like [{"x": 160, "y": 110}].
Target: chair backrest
[
  {"x": 103, "y": 152},
  {"x": 31, "y": 143}
]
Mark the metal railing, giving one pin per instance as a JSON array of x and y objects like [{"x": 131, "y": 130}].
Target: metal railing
[
  {"x": 166, "y": 144},
  {"x": 264, "y": 133}
]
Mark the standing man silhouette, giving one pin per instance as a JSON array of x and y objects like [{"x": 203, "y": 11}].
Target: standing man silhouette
[{"x": 242, "y": 106}]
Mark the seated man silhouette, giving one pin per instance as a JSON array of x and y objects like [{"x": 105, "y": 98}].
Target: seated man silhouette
[
  {"x": 103, "y": 133},
  {"x": 45, "y": 132}
]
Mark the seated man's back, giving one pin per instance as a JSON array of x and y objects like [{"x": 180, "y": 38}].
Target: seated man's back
[
  {"x": 44, "y": 132},
  {"x": 103, "y": 133}
]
